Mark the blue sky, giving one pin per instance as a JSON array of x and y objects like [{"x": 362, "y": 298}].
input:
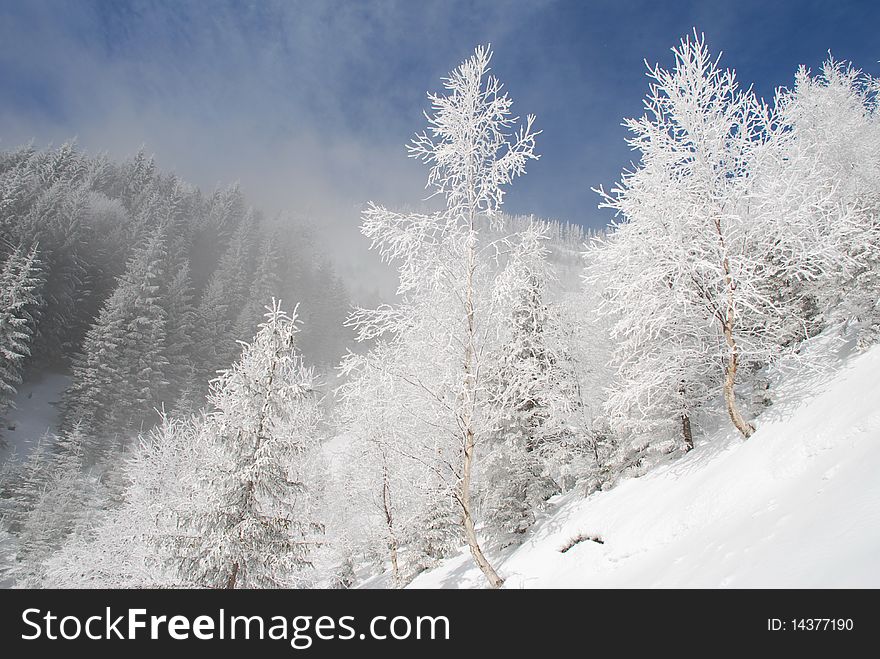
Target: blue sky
[{"x": 309, "y": 104}]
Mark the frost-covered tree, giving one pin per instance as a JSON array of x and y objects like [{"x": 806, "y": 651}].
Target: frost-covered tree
[
  {"x": 720, "y": 210},
  {"x": 328, "y": 306},
  {"x": 137, "y": 176},
  {"x": 664, "y": 376},
  {"x": 138, "y": 543},
  {"x": 22, "y": 483},
  {"x": 588, "y": 454},
  {"x": 442, "y": 329},
  {"x": 531, "y": 390},
  {"x": 259, "y": 528},
  {"x": 220, "y": 305},
  {"x": 121, "y": 372},
  {"x": 834, "y": 115},
  {"x": 393, "y": 505},
  {"x": 20, "y": 283},
  {"x": 265, "y": 286},
  {"x": 228, "y": 498},
  {"x": 55, "y": 221},
  {"x": 366, "y": 483},
  {"x": 68, "y": 501},
  {"x": 180, "y": 328}
]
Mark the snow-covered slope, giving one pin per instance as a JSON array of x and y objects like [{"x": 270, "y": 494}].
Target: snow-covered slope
[{"x": 796, "y": 505}]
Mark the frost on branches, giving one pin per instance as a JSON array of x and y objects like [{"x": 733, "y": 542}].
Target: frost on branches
[
  {"x": 20, "y": 299},
  {"x": 834, "y": 114},
  {"x": 226, "y": 499},
  {"x": 442, "y": 336},
  {"x": 136, "y": 544},
  {"x": 531, "y": 392},
  {"x": 260, "y": 529},
  {"x": 725, "y": 210}
]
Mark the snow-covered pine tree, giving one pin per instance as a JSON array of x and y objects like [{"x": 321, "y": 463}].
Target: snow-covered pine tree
[
  {"x": 137, "y": 175},
  {"x": 54, "y": 221},
  {"x": 438, "y": 523},
  {"x": 69, "y": 501},
  {"x": 260, "y": 528},
  {"x": 121, "y": 371},
  {"x": 180, "y": 314},
  {"x": 20, "y": 295},
  {"x": 17, "y": 183},
  {"x": 441, "y": 328},
  {"x": 265, "y": 286},
  {"x": 328, "y": 305},
  {"x": 139, "y": 543},
  {"x": 531, "y": 389},
  {"x": 587, "y": 455},
  {"x": 220, "y": 304},
  {"x": 22, "y": 483}
]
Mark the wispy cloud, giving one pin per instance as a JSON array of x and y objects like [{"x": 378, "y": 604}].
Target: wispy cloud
[{"x": 308, "y": 103}]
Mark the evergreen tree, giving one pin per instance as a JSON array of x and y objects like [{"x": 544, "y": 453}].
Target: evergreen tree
[
  {"x": 137, "y": 176},
  {"x": 440, "y": 534},
  {"x": 260, "y": 528},
  {"x": 55, "y": 221},
  {"x": 220, "y": 305},
  {"x": 265, "y": 287},
  {"x": 22, "y": 484},
  {"x": 180, "y": 314},
  {"x": 20, "y": 284},
  {"x": 532, "y": 393},
  {"x": 138, "y": 543},
  {"x": 122, "y": 368},
  {"x": 68, "y": 501}
]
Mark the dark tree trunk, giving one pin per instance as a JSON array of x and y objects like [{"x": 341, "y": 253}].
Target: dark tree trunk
[
  {"x": 686, "y": 432},
  {"x": 232, "y": 576}
]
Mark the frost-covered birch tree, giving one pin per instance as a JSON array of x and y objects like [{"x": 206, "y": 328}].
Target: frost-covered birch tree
[
  {"x": 834, "y": 115},
  {"x": 443, "y": 327},
  {"x": 721, "y": 208}
]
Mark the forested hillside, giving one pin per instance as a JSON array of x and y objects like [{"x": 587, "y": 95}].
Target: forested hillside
[
  {"x": 212, "y": 436},
  {"x": 138, "y": 286}
]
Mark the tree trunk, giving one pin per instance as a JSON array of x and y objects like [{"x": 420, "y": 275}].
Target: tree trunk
[
  {"x": 727, "y": 323},
  {"x": 232, "y": 576},
  {"x": 729, "y": 394},
  {"x": 395, "y": 569},
  {"x": 389, "y": 521},
  {"x": 470, "y": 533},
  {"x": 686, "y": 432},
  {"x": 470, "y": 375}
]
